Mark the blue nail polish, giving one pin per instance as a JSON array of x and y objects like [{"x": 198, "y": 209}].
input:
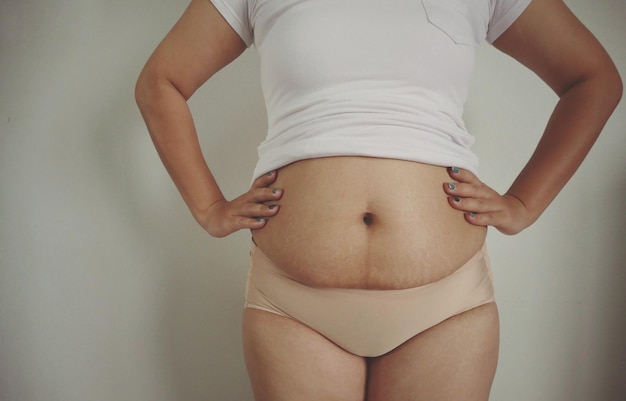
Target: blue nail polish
[
  {"x": 270, "y": 173},
  {"x": 472, "y": 214},
  {"x": 455, "y": 170},
  {"x": 271, "y": 207},
  {"x": 457, "y": 199},
  {"x": 275, "y": 191},
  {"x": 451, "y": 186},
  {"x": 260, "y": 219}
]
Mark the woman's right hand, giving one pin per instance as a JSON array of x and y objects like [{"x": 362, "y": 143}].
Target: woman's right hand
[{"x": 248, "y": 211}]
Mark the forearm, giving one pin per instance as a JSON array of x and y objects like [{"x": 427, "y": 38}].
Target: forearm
[
  {"x": 576, "y": 122},
  {"x": 172, "y": 130}
]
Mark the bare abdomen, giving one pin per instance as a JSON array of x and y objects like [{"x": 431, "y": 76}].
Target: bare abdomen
[{"x": 360, "y": 222}]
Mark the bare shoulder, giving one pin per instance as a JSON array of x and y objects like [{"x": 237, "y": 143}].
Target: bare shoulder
[
  {"x": 200, "y": 44},
  {"x": 550, "y": 40}
]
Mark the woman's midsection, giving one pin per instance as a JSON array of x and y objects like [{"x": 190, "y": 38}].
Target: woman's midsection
[{"x": 359, "y": 222}]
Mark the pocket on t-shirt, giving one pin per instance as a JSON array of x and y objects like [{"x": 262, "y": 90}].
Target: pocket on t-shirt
[{"x": 450, "y": 16}]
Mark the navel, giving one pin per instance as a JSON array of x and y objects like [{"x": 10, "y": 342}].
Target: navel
[{"x": 368, "y": 219}]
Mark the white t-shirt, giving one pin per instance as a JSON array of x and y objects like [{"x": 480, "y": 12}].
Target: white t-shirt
[{"x": 378, "y": 78}]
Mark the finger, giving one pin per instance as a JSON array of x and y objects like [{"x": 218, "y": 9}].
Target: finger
[
  {"x": 250, "y": 223},
  {"x": 470, "y": 216},
  {"x": 255, "y": 210},
  {"x": 475, "y": 205},
  {"x": 260, "y": 195},
  {"x": 459, "y": 203},
  {"x": 454, "y": 188},
  {"x": 468, "y": 186},
  {"x": 265, "y": 180},
  {"x": 257, "y": 223},
  {"x": 481, "y": 212},
  {"x": 457, "y": 190},
  {"x": 479, "y": 219},
  {"x": 497, "y": 219},
  {"x": 235, "y": 223},
  {"x": 462, "y": 175},
  {"x": 476, "y": 190}
]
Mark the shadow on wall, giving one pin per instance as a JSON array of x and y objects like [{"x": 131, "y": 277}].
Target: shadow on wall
[
  {"x": 201, "y": 280},
  {"x": 615, "y": 284},
  {"x": 598, "y": 369}
]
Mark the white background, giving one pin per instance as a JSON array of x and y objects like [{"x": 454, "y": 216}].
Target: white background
[{"x": 110, "y": 291}]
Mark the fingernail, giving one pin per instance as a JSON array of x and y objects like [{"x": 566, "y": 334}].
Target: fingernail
[
  {"x": 260, "y": 219},
  {"x": 455, "y": 170},
  {"x": 472, "y": 214},
  {"x": 270, "y": 173},
  {"x": 271, "y": 207},
  {"x": 275, "y": 191},
  {"x": 451, "y": 186},
  {"x": 457, "y": 199}
]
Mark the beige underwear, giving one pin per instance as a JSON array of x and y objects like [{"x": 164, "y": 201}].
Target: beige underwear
[{"x": 368, "y": 322}]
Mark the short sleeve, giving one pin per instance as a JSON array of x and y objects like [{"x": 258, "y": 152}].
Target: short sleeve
[
  {"x": 235, "y": 12},
  {"x": 503, "y": 14}
]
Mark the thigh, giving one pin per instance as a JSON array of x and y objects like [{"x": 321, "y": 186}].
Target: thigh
[
  {"x": 289, "y": 361},
  {"x": 455, "y": 360}
]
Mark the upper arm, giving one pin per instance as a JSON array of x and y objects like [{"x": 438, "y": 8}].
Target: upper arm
[
  {"x": 552, "y": 42},
  {"x": 200, "y": 44}
]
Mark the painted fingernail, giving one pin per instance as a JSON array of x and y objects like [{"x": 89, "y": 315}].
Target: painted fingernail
[
  {"x": 451, "y": 186},
  {"x": 455, "y": 170},
  {"x": 275, "y": 191},
  {"x": 457, "y": 199},
  {"x": 472, "y": 214},
  {"x": 272, "y": 207},
  {"x": 270, "y": 173},
  {"x": 260, "y": 219}
]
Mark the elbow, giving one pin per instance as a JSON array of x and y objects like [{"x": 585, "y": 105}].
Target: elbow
[
  {"x": 618, "y": 87},
  {"x": 603, "y": 83},
  {"x": 605, "y": 86},
  {"x": 150, "y": 86},
  {"x": 611, "y": 86},
  {"x": 143, "y": 88},
  {"x": 153, "y": 89}
]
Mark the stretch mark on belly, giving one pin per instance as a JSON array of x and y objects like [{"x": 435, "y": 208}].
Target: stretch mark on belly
[{"x": 368, "y": 219}]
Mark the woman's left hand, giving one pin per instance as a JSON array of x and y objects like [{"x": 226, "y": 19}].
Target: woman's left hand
[{"x": 483, "y": 206}]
